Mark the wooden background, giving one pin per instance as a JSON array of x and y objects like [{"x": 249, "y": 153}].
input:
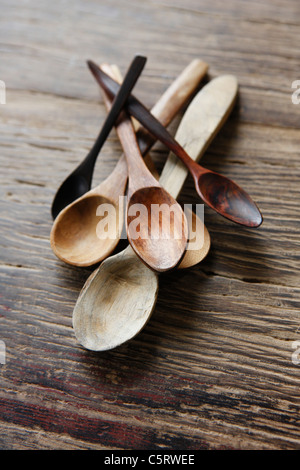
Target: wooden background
[{"x": 213, "y": 368}]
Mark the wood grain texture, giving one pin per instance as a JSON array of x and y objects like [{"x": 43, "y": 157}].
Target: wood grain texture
[{"x": 213, "y": 367}]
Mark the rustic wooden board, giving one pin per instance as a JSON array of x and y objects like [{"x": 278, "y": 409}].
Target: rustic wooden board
[{"x": 213, "y": 368}]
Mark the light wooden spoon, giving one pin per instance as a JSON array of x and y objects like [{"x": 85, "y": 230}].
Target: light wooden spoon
[
  {"x": 74, "y": 237},
  {"x": 118, "y": 298}
]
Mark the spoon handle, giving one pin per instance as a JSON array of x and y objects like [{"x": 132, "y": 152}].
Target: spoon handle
[{"x": 120, "y": 99}]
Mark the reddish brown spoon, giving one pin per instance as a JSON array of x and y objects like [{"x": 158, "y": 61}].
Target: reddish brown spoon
[
  {"x": 156, "y": 225},
  {"x": 217, "y": 191}
]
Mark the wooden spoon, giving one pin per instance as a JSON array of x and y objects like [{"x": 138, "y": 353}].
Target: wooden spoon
[
  {"x": 79, "y": 181},
  {"x": 160, "y": 240},
  {"x": 119, "y": 297},
  {"x": 220, "y": 193},
  {"x": 73, "y": 236}
]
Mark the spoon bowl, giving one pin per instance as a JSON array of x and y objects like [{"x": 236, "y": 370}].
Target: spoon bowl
[
  {"x": 159, "y": 235},
  {"x": 160, "y": 243}
]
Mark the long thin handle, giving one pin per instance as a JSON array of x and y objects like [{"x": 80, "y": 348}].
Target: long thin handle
[
  {"x": 139, "y": 175},
  {"x": 120, "y": 99}
]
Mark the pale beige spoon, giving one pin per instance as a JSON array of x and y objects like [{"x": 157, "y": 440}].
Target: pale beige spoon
[
  {"x": 74, "y": 238},
  {"x": 118, "y": 298}
]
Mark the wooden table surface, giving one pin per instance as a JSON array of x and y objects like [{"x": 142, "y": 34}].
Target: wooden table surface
[{"x": 217, "y": 366}]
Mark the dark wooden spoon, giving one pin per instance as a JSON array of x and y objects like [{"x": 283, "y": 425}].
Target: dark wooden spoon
[
  {"x": 79, "y": 181},
  {"x": 217, "y": 191}
]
